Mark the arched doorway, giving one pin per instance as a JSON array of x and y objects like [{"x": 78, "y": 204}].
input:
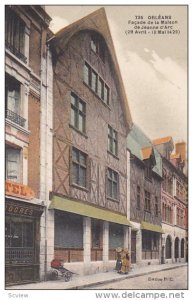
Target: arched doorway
[
  {"x": 177, "y": 248},
  {"x": 182, "y": 248},
  {"x": 168, "y": 247}
]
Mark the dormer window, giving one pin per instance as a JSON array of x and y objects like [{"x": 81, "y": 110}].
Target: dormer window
[{"x": 97, "y": 46}]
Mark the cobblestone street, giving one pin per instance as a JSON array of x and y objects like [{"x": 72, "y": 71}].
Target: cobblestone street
[{"x": 169, "y": 279}]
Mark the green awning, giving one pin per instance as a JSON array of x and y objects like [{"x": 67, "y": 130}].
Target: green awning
[
  {"x": 87, "y": 210},
  {"x": 151, "y": 227}
]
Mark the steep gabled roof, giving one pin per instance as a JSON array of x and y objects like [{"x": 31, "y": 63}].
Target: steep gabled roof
[
  {"x": 97, "y": 21},
  {"x": 141, "y": 146}
]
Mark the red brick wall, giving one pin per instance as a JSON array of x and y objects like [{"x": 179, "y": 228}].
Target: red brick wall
[{"x": 34, "y": 145}]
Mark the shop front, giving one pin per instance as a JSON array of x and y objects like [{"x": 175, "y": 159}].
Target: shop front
[{"x": 22, "y": 240}]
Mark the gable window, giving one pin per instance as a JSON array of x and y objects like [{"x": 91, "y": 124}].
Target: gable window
[
  {"x": 13, "y": 101},
  {"x": 96, "y": 83},
  {"x": 97, "y": 46},
  {"x": 78, "y": 113},
  {"x": 138, "y": 196},
  {"x": 147, "y": 201},
  {"x": 15, "y": 34},
  {"x": 112, "y": 141},
  {"x": 112, "y": 184},
  {"x": 79, "y": 167},
  {"x": 12, "y": 164}
]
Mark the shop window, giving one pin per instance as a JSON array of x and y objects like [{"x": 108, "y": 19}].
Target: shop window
[
  {"x": 19, "y": 241},
  {"x": 147, "y": 201},
  {"x": 68, "y": 230},
  {"x": 112, "y": 184},
  {"x": 112, "y": 141},
  {"x": 12, "y": 164},
  {"x": 78, "y": 113},
  {"x": 96, "y": 230},
  {"x": 146, "y": 240},
  {"x": 13, "y": 101},
  {"x": 15, "y": 34},
  {"x": 79, "y": 168},
  {"x": 116, "y": 236}
]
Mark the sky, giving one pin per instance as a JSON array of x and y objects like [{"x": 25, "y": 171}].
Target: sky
[{"x": 153, "y": 67}]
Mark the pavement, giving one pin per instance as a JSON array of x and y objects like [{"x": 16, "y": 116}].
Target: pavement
[{"x": 86, "y": 281}]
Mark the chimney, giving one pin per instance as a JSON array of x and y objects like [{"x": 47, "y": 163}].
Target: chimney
[{"x": 181, "y": 149}]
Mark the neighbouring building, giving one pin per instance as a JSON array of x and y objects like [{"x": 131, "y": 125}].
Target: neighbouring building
[
  {"x": 26, "y": 94},
  {"x": 87, "y": 217},
  {"x": 174, "y": 199},
  {"x": 144, "y": 185}
]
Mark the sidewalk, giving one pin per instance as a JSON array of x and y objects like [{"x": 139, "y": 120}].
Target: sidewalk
[{"x": 80, "y": 282}]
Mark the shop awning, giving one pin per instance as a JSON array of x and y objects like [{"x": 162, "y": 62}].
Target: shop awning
[
  {"x": 151, "y": 227},
  {"x": 87, "y": 210}
]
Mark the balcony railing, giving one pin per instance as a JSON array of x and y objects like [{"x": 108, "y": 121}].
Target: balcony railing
[
  {"x": 12, "y": 116},
  {"x": 15, "y": 52}
]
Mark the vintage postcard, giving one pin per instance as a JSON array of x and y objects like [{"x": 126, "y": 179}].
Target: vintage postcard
[{"x": 96, "y": 150}]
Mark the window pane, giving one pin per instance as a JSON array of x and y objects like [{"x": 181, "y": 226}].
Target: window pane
[
  {"x": 94, "y": 81},
  {"x": 73, "y": 117},
  {"x": 115, "y": 190},
  {"x": 110, "y": 173},
  {"x": 75, "y": 173},
  {"x": 101, "y": 88},
  {"x": 16, "y": 234},
  {"x": 109, "y": 188},
  {"x": 12, "y": 164},
  {"x": 81, "y": 123},
  {"x": 86, "y": 74},
  {"x": 73, "y": 100},
  {"x": 82, "y": 159},
  {"x": 94, "y": 44},
  {"x": 106, "y": 94},
  {"x": 75, "y": 155},
  {"x": 28, "y": 234},
  {"x": 82, "y": 176},
  {"x": 8, "y": 234},
  {"x": 81, "y": 106}
]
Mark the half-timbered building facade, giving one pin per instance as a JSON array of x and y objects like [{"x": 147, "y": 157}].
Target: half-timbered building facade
[
  {"x": 145, "y": 177},
  {"x": 91, "y": 120}
]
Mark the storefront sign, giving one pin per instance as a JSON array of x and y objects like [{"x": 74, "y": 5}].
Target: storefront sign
[
  {"x": 19, "y": 210},
  {"x": 18, "y": 190},
  {"x": 11, "y": 207}
]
